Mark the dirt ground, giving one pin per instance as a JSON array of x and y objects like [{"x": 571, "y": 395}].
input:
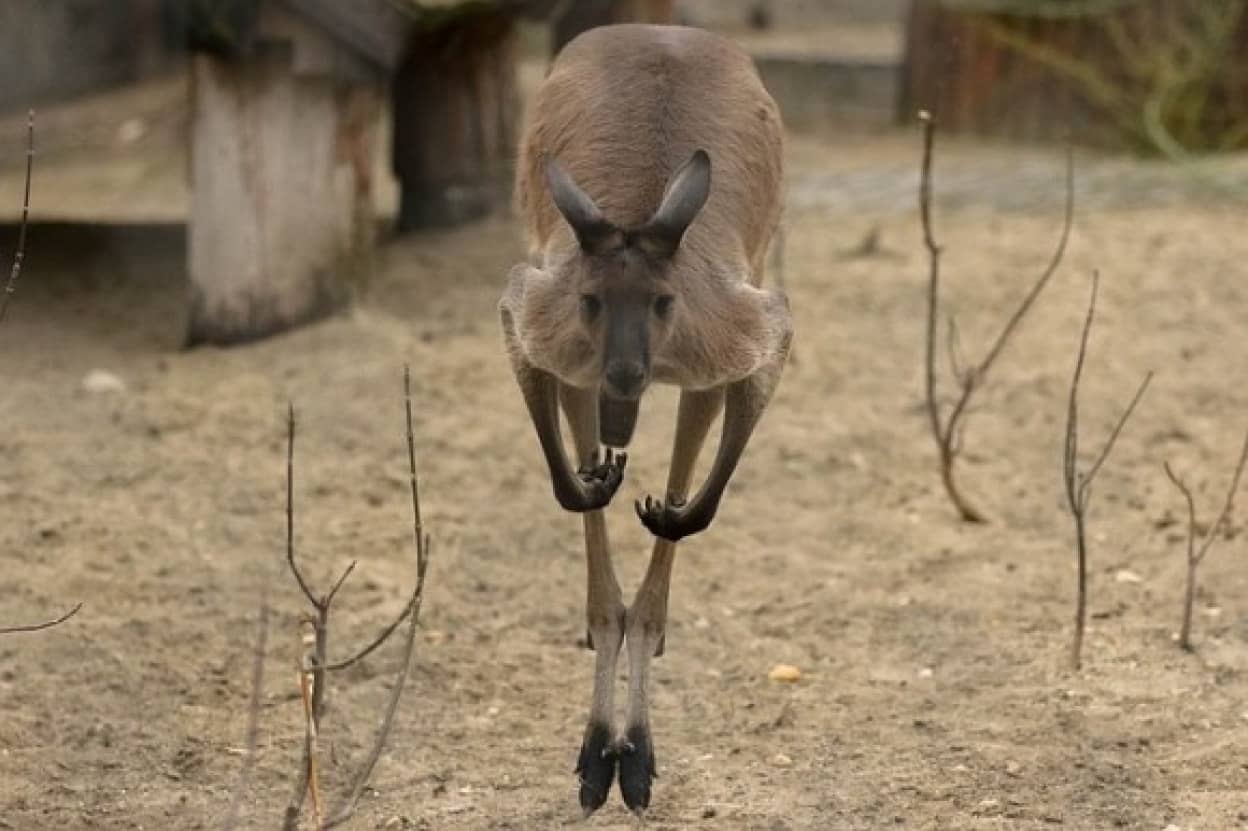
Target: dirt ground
[{"x": 934, "y": 693}]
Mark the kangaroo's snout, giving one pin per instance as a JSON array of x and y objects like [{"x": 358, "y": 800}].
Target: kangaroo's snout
[{"x": 625, "y": 379}]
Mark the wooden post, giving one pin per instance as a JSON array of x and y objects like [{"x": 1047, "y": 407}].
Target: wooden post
[
  {"x": 456, "y": 112},
  {"x": 281, "y": 158},
  {"x": 580, "y": 16}
]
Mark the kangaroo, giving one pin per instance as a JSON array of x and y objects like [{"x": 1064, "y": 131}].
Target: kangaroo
[{"x": 643, "y": 268}]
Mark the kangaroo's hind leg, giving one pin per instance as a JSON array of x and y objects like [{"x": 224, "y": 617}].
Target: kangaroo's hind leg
[
  {"x": 604, "y": 611},
  {"x": 647, "y": 617}
]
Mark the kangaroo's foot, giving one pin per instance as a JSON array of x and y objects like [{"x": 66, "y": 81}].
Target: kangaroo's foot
[
  {"x": 637, "y": 768},
  {"x": 595, "y": 768}
]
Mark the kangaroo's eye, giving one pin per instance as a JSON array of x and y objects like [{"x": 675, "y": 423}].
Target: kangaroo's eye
[
  {"x": 663, "y": 305},
  {"x": 590, "y": 306}
]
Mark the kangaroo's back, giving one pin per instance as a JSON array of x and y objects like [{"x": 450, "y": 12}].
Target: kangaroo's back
[{"x": 624, "y": 106}]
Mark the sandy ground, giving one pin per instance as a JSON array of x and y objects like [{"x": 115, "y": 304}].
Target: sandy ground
[{"x": 934, "y": 693}]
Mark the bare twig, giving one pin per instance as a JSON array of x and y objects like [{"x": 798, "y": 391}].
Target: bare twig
[
  {"x": 314, "y": 669},
  {"x": 309, "y": 738},
  {"x": 311, "y": 668},
  {"x": 329, "y": 598},
  {"x": 422, "y": 543},
  {"x": 9, "y": 289},
  {"x": 947, "y": 428},
  {"x": 381, "y": 638},
  {"x": 290, "y": 505},
  {"x": 1195, "y": 554},
  {"x": 20, "y": 254},
  {"x": 1079, "y": 485},
  {"x": 37, "y": 627},
  {"x": 253, "y": 714}
]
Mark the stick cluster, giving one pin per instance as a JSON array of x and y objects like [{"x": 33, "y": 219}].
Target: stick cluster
[
  {"x": 10, "y": 288},
  {"x": 1198, "y": 546},
  {"x": 947, "y": 422},
  {"x": 315, "y": 666}
]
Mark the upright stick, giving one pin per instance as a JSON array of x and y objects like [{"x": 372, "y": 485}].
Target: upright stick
[
  {"x": 947, "y": 427},
  {"x": 314, "y": 669},
  {"x": 20, "y": 254},
  {"x": 1079, "y": 485},
  {"x": 1196, "y": 555}
]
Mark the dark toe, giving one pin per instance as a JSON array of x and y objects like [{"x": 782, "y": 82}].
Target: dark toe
[
  {"x": 596, "y": 767},
  {"x": 637, "y": 769}
]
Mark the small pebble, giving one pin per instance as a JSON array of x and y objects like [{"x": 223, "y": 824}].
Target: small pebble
[
  {"x": 926, "y": 672},
  {"x": 1128, "y": 576},
  {"x": 103, "y": 381},
  {"x": 1013, "y": 768},
  {"x": 780, "y": 760},
  {"x": 786, "y": 673},
  {"x": 131, "y": 130}
]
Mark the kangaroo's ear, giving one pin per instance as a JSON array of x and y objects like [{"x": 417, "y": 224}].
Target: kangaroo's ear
[
  {"x": 683, "y": 198},
  {"x": 593, "y": 232}
]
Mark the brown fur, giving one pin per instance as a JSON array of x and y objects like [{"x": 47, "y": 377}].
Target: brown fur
[
  {"x": 624, "y": 109},
  {"x": 621, "y": 109}
]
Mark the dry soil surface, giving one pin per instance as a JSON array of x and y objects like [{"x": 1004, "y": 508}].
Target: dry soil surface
[{"x": 935, "y": 691}]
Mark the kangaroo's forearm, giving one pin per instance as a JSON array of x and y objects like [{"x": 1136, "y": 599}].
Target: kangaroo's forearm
[
  {"x": 696, "y": 515},
  {"x": 588, "y": 489},
  {"x": 742, "y": 409},
  {"x": 541, "y": 395}
]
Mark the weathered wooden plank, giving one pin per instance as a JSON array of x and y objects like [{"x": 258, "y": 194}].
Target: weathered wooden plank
[{"x": 280, "y": 226}]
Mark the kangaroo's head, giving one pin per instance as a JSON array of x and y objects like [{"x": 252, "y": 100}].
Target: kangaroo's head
[{"x": 624, "y": 278}]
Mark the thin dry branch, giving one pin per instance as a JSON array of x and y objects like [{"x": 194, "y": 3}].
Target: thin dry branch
[
  {"x": 1078, "y": 485},
  {"x": 38, "y": 627},
  {"x": 314, "y": 669},
  {"x": 290, "y": 505},
  {"x": 414, "y": 602},
  {"x": 310, "y": 737},
  {"x": 381, "y": 638},
  {"x": 422, "y": 543},
  {"x": 948, "y": 427},
  {"x": 11, "y": 287},
  {"x": 1196, "y": 555}
]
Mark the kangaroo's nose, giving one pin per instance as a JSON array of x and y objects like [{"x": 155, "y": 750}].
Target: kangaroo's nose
[{"x": 625, "y": 378}]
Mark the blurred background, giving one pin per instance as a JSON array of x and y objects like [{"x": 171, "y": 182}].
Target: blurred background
[
  {"x": 397, "y": 115},
  {"x": 313, "y": 193}
]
